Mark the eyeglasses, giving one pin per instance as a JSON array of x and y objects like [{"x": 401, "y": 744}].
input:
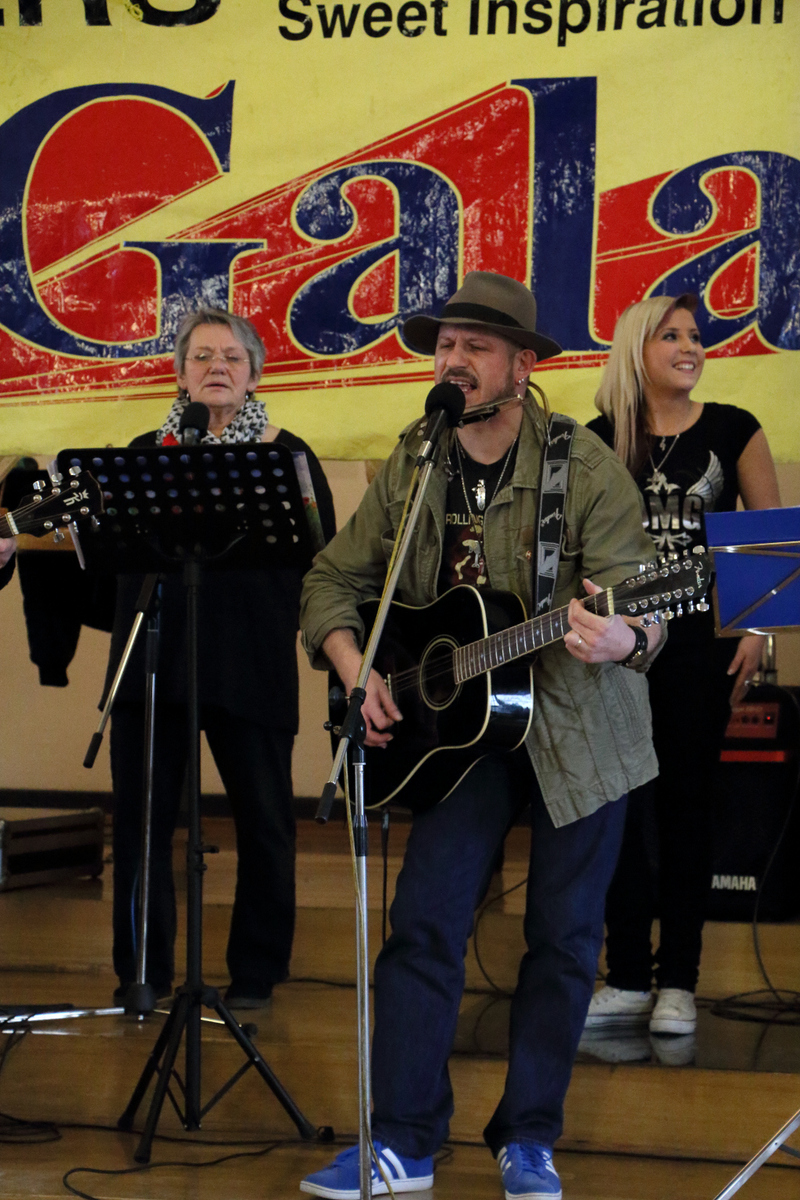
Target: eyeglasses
[{"x": 204, "y": 358}]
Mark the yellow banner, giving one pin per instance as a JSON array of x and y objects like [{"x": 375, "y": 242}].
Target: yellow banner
[{"x": 329, "y": 168}]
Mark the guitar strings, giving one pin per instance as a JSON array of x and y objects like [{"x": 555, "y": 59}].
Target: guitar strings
[
  {"x": 26, "y": 510},
  {"x": 407, "y": 679}
]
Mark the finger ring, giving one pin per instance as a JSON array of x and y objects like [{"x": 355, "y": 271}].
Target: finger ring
[
  {"x": 580, "y": 639},
  {"x": 748, "y": 683}
]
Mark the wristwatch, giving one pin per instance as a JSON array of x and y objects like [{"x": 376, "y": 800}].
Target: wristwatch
[{"x": 639, "y": 648}]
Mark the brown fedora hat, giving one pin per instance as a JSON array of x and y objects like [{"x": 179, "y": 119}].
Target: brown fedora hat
[{"x": 495, "y": 303}]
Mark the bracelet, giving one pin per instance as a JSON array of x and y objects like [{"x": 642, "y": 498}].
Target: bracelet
[{"x": 639, "y": 648}]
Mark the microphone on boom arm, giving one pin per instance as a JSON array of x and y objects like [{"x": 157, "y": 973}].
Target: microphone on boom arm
[
  {"x": 193, "y": 423},
  {"x": 444, "y": 408}
]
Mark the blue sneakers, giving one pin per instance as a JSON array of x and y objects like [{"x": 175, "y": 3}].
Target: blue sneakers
[
  {"x": 340, "y": 1180},
  {"x": 528, "y": 1173}
]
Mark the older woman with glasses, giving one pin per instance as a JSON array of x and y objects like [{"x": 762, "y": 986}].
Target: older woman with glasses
[{"x": 248, "y": 699}]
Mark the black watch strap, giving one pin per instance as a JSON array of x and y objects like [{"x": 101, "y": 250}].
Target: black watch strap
[{"x": 639, "y": 648}]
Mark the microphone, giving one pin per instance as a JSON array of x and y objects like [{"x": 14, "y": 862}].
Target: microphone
[
  {"x": 444, "y": 408},
  {"x": 193, "y": 423}
]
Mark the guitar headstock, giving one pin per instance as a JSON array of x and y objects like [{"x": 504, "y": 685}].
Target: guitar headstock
[
  {"x": 50, "y": 509},
  {"x": 670, "y": 587}
]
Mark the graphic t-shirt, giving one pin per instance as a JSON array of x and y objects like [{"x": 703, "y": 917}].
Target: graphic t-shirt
[
  {"x": 687, "y": 476},
  {"x": 471, "y": 489}
]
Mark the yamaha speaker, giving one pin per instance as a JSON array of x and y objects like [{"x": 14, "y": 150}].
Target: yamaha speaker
[{"x": 756, "y": 809}]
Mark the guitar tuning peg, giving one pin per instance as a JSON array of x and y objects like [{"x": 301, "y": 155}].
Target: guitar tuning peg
[
  {"x": 672, "y": 556},
  {"x": 59, "y": 535},
  {"x": 38, "y": 485},
  {"x": 74, "y": 470},
  {"x": 679, "y": 611},
  {"x": 667, "y": 614},
  {"x": 647, "y": 621},
  {"x": 657, "y": 617},
  {"x": 95, "y": 523},
  {"x": 690, "y": 607},
  {"x": 642, "y": 568},
  {"x": 699, "y": 550},
  {"x": 701, "y": 606}
]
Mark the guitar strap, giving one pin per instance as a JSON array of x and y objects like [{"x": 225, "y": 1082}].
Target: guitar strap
[{"x": 552, "y": 505}]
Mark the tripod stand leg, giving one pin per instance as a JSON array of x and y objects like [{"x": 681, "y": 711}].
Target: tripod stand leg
[
  {"x": 151, "y": 1066},
  {"x": 304, "y": 1126},
  {"x": 168, "y": 1044},
  {"x": 193, "y": 1052},
  {"x": 758, "y": 1160}
]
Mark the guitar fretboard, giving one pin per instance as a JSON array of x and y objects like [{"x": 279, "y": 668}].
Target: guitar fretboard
[{"x": 477, "y": 658}]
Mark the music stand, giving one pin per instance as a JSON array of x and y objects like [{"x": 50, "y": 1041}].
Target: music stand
[
  {"x": 190, "y": 509},
  {"x": 757, "y": 561}
]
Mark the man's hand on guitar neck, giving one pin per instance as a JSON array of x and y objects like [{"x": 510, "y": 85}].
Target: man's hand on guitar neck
[
  {"x": 379, "y": 710},
  {"x": 594, "y": 639}
]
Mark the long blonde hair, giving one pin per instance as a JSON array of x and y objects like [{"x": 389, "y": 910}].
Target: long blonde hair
[{"x": 620, "y": 396}]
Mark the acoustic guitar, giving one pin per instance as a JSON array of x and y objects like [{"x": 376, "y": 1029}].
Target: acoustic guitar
[
  {"x": 460, "y": 671},
  {"x": 50, "y": 509}
]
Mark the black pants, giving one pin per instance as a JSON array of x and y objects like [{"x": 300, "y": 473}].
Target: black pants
[
  {"x": 664, "y": 868},
  {"x": 255, "y": 765}
]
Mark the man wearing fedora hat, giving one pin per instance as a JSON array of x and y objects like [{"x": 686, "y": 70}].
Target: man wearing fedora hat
[{"x": 588, "y": 745}]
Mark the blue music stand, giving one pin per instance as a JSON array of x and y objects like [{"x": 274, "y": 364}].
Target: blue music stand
[{"x": 757, "y": 561}]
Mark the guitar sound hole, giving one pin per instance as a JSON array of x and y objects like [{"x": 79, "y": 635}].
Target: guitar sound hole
[{"x": 438, "y": 687}]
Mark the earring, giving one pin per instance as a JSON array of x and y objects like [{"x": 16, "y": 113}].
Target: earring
[
  {"x": 183, "y": 394},
  {"x": 248, "y": 395}
]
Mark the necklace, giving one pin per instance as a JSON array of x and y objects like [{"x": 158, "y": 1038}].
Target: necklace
[
  {"x": 480, "y": 487},
  {"x": 475, "y": 520},
  {"x": 674, "y": 443}
]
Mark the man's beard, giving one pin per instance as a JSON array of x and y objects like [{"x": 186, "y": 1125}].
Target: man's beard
[{"x": 504, "y": 392}]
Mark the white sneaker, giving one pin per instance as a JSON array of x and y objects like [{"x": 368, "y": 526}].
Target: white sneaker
[
  {"x": 674, "y": 1012},
  {"x": 614, "y": 1006},
  {"x": 616, "y": 1045},
  {"x": 675, "y": 1050}
]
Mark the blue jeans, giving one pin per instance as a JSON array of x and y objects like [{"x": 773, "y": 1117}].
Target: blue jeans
[{"x": 419, "y": 974}]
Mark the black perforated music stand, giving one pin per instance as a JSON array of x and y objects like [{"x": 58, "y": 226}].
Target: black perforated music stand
[
  {"x": 757, "y": 561},
  {"x": 192, "y": 509},
  {"x": 243, "y": 505}
]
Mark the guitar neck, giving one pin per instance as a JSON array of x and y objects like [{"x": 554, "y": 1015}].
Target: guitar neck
[
  {"x": 6, "y": 530},
  {"x": 477, "y": 658}
]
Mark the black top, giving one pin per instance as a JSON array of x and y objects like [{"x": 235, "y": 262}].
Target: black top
[
  {"x": 471, "y": 489},
  {"x": 248, "y": 621},
  {"x": 685, "y": 477}
]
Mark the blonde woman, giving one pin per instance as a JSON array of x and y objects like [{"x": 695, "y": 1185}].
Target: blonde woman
[{"x": 688, "y": 458}]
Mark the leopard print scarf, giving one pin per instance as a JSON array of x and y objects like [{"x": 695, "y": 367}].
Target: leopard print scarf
[{"x": 247, "y": 426}]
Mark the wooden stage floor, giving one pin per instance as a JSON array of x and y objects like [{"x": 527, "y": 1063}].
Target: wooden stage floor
[{"x": 633, "y": 1133}]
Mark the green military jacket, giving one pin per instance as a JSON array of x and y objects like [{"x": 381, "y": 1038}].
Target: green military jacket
[{"x": 590, "y": 738}]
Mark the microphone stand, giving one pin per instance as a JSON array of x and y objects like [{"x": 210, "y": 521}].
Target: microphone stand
[
  {"x": 140, "y": 998},
  {"x": 351, "y": 738}
]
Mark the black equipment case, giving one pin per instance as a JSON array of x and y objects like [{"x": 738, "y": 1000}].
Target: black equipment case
[
  {"x": 42, "y": 845},
  {"x": 755, "y": 805}
]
